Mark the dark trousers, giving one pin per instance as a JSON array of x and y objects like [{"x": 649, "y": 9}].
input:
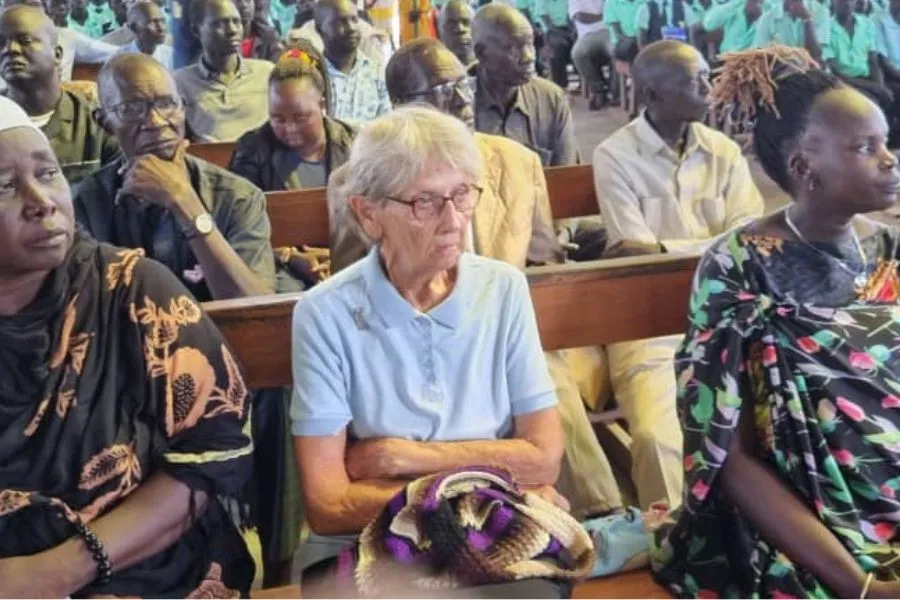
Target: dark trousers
[{"x": 559, "y": 42}]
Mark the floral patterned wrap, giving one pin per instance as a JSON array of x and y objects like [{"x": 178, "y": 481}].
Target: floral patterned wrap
[{"x": 825, "y": 386}]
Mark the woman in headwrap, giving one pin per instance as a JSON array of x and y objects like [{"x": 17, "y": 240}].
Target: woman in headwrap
[
  {"x": 123, "y": 414},
  {"x": 790, "y": 371}
]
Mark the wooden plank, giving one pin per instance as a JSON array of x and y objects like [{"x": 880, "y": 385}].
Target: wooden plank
[
  {"x": 634, "y": 584},
  {"x": 571, "y": 191},
  {"x": 298, "y": 217},
  {"x": 301, "y": 216},
  {"x": 582, "y": 304},
  {"x": 85, "y": 71},
  {"x": 218, "y": 153},
  {"x": 600, "y": 302}
]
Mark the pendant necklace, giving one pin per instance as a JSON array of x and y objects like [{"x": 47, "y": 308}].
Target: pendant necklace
[{"x": 859, "y": 279}]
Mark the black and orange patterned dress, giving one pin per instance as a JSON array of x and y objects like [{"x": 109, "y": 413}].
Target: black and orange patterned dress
[{"x": 111, "y": 375}]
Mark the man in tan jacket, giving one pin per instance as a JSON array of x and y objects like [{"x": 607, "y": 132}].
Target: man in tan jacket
[{"x": 512, "y": 223}]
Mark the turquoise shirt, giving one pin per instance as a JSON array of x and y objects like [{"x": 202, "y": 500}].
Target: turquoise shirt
[
  {"x": 777, "y": 27},
  {"x": 101, "y": 20},
  {"x": 887, "y": 38},
  {"x": 364, "y": 358},
  {"x": 557, "y": 10},
  {"x": 693, "y": 14},
  {"x": 851, "y": 56},
  {"x": 76, "y": 26},
  {"x": 623, "y": 12},
  {"x": 283, "y": 15},
  {"x": 730, "y": 17}
]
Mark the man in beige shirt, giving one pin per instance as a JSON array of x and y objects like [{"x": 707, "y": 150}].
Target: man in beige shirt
[
  {"x": 512, "y": 223},
  {"x": 665, "y": 183}
]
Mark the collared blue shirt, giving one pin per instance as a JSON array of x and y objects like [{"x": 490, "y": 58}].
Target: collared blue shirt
[
  {"x": 361, "y": 95},
  {"x": 365, "y": 357},
  {"x": 887, "y": 37}
]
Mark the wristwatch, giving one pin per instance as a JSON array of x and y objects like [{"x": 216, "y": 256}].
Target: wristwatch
[{"x": 201, "y": 226}]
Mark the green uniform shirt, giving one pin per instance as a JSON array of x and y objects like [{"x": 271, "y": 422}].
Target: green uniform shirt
[
  {"x": 730, "y": 17},
  {"x": 851, "y": 55},
  {"x": 693, "y": 14},
  {"x": 78, "y": 141},
  {"x": 557, "y": 10},
  {"x": 101, "y": 20},
  {"x": 777, "y": 27},
  {"x": 623, "y": 12}
]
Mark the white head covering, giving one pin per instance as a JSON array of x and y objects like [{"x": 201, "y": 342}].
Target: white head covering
[{"x": 12, "y": 115}]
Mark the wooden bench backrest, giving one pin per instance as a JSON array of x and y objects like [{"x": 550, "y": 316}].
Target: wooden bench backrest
[
  {"x": 571, "y": 191},
  {"x": 218, "y": 153},
  {"x": 85, "y": 71},
  {"x": 581, "y": 304},
  {"x": 301, "y": 216}
]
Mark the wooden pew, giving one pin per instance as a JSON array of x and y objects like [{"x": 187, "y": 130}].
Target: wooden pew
[
  {"x": 85, "y": 71},
  {"x": 576, "y": 304},
  {"x": 571, "y": 191},
  {"x": 301, "y": 216},
  {"x": 580, "y": 304},
  {"x": 218, "y": 153}
]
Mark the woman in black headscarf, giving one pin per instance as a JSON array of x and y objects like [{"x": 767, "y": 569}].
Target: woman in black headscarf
[{"x": 123, "y": 414}]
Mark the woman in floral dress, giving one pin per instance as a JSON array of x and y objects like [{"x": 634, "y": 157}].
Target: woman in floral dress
[{"x": 789, "y": 375}]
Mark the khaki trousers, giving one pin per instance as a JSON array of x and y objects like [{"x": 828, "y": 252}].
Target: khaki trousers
[
  {"x": 642, "y": 376},
  {"x": 586, "y": 478}
]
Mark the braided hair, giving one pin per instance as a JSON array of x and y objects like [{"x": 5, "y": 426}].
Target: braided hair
[
  {"x": 777, "y": 86},
  {"x": 301, "y": 61}
]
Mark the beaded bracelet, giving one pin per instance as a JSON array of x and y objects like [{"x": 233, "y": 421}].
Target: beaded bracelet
[{"x": 104, "y": 567}]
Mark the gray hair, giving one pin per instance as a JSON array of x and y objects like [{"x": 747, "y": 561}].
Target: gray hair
[{"x": 393, "y": 150}]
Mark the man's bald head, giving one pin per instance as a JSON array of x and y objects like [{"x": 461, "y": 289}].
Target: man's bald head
[
  {"x": 36, "y": 56},
  {"x": 123, "y": 71},
  {"x": 672, "y": 79},
  {"x": 504, "y": 45},
  {"x": 496, "y": 18},
  {"x": 130, "y": 84}
]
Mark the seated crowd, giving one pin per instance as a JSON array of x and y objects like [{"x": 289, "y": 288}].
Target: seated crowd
[{"x": 436, "y": 444}]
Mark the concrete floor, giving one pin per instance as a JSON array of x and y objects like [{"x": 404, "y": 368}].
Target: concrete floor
[{"x": 592, "y": 127}]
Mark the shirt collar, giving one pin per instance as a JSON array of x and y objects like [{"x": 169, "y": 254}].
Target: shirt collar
[
  {"x": 650, "y": 143},
  {"x": 395, "y": 311},
  {"x": 488, "y": 101},
  {"x": 361, "y": 62},
  {"x": 209, "y": 75}
]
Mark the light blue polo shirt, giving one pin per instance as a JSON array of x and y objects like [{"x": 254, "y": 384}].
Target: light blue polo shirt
[
  {"x": 693, "y": 14},
  {"x": 775, "y": 26},
  {"x": 364, "y": 357},
  {"x": 887, "y": 38},
  {"x": 623, "y": 12}
]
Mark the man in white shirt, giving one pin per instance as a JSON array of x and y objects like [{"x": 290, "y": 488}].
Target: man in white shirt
[
  {"x": 592, "y": 50},
  {"x": 665, "y": 183},
  {"x": 147, "y": 23}
]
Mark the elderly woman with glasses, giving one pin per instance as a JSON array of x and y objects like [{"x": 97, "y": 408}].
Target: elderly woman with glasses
[{"x": 421, "y": 357}]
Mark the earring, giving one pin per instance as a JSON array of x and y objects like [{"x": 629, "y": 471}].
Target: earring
[{"x": 812, "y": 184}]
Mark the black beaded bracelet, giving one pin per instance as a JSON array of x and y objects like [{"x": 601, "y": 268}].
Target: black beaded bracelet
[{"x": 104, "y": 567}]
